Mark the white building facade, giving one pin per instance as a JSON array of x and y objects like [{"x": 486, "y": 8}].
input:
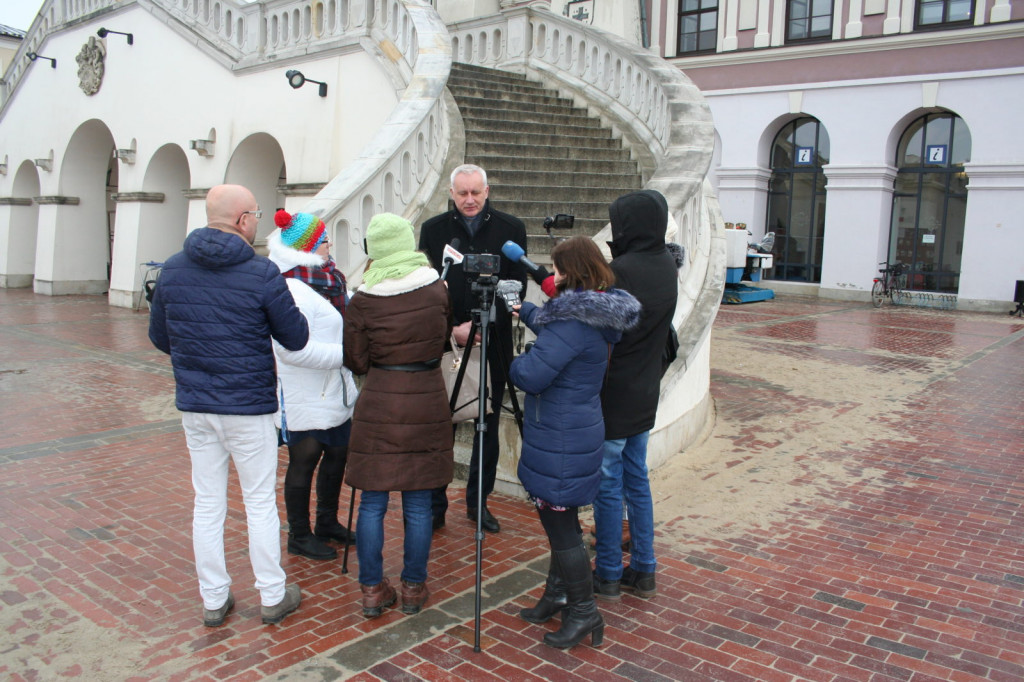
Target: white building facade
[{"x": 867, "y": 131}]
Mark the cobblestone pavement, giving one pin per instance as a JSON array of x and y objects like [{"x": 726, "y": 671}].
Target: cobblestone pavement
[{"x": 915, "y": 573}]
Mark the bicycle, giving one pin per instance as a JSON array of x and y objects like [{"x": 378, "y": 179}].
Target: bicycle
[{"x": 888, "y": 285}]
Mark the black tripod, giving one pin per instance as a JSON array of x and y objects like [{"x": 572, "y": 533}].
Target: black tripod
[{"x": 483, "y": 321}]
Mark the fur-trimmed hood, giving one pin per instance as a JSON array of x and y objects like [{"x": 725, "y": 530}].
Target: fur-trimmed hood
[
  {"x": 610, "y": 311},
  {"x": 286, "y": 258},
  {"x": 417, "y": 279}
]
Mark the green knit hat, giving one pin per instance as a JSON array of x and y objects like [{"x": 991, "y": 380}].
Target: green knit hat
[{"x": 388, "y": 234}]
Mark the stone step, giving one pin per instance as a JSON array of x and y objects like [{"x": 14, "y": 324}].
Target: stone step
[
  {"x": 534, "y": 115},
  {"x": 520, "y": 104},
  {"x": 528, "y": 179},
  {"x": 499, "y": 162},
  {"x": 476, "y": 92},
  {"x": 551, "y": 153},
  {"x": 545, "y": 139},
  {"x": 514, "y": 123},
  {"x": 557, "y": 195}
]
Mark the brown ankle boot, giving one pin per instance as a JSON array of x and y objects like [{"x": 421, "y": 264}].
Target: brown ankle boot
[
  {"x": 377, "y": 597},
  {"x": 414, "y": 596}
]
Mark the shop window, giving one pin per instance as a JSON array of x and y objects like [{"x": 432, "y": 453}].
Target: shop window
[
  {"x": 930, "y": 202},
  {"x": 796, "y": 200},
  {"x": 698, "y": 26},
  {"x": 808, "y": 20}
]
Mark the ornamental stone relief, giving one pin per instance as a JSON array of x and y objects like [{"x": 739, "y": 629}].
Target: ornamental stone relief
[{"x": 90, "y": 66}]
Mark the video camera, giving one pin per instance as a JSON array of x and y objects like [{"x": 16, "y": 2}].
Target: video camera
[
  {"x": 486, "y": 264},
  {"x": 559, "y": 221}
]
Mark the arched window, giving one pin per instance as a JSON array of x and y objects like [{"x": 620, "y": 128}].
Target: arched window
[
  {"x": 796, "y": 200},
  {"x": 930, "y": 202}
]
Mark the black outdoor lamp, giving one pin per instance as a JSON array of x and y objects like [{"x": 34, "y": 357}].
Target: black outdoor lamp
[
  {"x": 33, "y": 56},
  {"x": 103, "y": 32},
  {"x": 297, "y": 80}
]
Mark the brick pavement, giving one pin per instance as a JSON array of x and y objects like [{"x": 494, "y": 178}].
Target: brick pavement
[{"x": 915, "y": 573}]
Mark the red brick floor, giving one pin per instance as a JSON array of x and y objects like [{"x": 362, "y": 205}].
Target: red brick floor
[{"x": 916, "y": 574}]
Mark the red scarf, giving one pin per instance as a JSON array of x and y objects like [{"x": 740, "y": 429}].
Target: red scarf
[{"x": 327, "y": 281}]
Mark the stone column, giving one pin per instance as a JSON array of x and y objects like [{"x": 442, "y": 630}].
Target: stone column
[
  {"x": 126, "y": 272},
  {"x": 858, "y": 210}
]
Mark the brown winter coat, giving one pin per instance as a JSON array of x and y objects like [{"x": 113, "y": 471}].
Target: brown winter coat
[{"x": 402, "y": 429}]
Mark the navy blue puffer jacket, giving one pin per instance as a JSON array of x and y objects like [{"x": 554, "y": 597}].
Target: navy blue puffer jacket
[
  {"x": 563, "y": 430},
  {"x": 217, "y": 305}
]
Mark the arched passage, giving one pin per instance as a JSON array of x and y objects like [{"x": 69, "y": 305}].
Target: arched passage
[
  {"x": 258, "y": 163},
  {"x": 162, "y": 226},
  {"x": 929, "y": 206},
  {"x": 80, "y": 219},
  {"x": 19, "y": 249},
  {"x": 796, "y": 200}
]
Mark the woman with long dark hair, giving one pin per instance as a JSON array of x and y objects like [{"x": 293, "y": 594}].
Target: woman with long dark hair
[{"x": 563, "y": 430}]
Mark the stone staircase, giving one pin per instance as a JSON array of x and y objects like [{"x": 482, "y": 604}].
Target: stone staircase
[{"x": 542, "y": 155}]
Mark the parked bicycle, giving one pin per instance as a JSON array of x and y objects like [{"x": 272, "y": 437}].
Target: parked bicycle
[{"x": 889, "y": 285}]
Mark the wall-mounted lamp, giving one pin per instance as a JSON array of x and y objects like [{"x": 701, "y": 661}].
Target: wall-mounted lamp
[
  {"x": 297, "y": 80},
  {"x": 203, "y": 147},
  {"x": 103, "y": 32},
  {"x": 44, "y": 164},
  {"x": 3, "y": 169},
  {"x": 33, "y": 56},
  {"x": 126, "y": 155}
]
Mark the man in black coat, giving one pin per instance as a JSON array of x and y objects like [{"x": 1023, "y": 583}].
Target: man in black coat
[
  {"x": 644, "y": 267},
  {"x": 479, "y": 229}
]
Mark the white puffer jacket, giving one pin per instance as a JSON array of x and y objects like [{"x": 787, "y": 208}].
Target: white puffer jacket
[{"x": 318, "y": 392}]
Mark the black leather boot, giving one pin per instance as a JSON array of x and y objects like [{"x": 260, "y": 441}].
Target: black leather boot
[
  {"x": 552, "y": 601},
  {"x": 582, "y": 617},
  {"x": 301, "y": 540},
  {"x": 328, "y": 491}
]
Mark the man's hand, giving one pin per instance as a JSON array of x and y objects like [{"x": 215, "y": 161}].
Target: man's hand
[{"x": 461, "y": 333}]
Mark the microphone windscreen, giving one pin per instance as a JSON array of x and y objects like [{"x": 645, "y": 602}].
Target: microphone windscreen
[
  {"x": 509, "y": 286},
  {"x": 512, "y": 251}
]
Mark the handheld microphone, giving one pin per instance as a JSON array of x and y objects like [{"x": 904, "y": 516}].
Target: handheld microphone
[
  {"x": 509, "y": 290},
  {"x": 451, "y": 255},
  {"x": 515, "y": 253}
]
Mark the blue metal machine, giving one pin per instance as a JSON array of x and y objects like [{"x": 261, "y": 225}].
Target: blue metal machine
[{"x": 744, "y": 264}]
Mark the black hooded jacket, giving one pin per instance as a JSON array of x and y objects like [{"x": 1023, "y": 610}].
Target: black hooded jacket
[{"x": 644, "y": 267}]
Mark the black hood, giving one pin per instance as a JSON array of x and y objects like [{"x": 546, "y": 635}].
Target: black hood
[{"x": 639, "y": 221}]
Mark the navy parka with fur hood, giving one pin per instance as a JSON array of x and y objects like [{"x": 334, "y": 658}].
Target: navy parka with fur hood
[
  {"x": 216, "y": 306},
  {"x": 563, "y": 430}
]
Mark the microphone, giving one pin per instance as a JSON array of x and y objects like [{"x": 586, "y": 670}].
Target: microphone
[
  {"x": 515, "y": 253},
  {"x": 509, "y": 290},
  {"x": 451, "y": 255}
]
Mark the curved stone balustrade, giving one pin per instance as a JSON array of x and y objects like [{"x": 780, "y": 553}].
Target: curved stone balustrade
[{"x": 667, "y": 123}]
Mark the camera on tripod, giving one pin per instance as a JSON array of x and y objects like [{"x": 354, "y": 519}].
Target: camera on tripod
[
  {"x": 559, "y": 221},
  {"x": 486, "y": 264}
]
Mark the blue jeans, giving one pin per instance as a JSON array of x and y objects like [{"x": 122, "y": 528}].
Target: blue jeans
[
  {"x": 624, "y": 474},
  {"x": 373, "y": 505}
]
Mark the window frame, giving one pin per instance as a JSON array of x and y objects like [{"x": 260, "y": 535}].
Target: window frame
[
  {"x": 699, "y": 13},
  {"x": 945, "y": 23},
  {"x": 825, "y": 37}
]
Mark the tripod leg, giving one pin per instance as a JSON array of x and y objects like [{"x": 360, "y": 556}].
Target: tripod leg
[{"x": 517, "y": 411}]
